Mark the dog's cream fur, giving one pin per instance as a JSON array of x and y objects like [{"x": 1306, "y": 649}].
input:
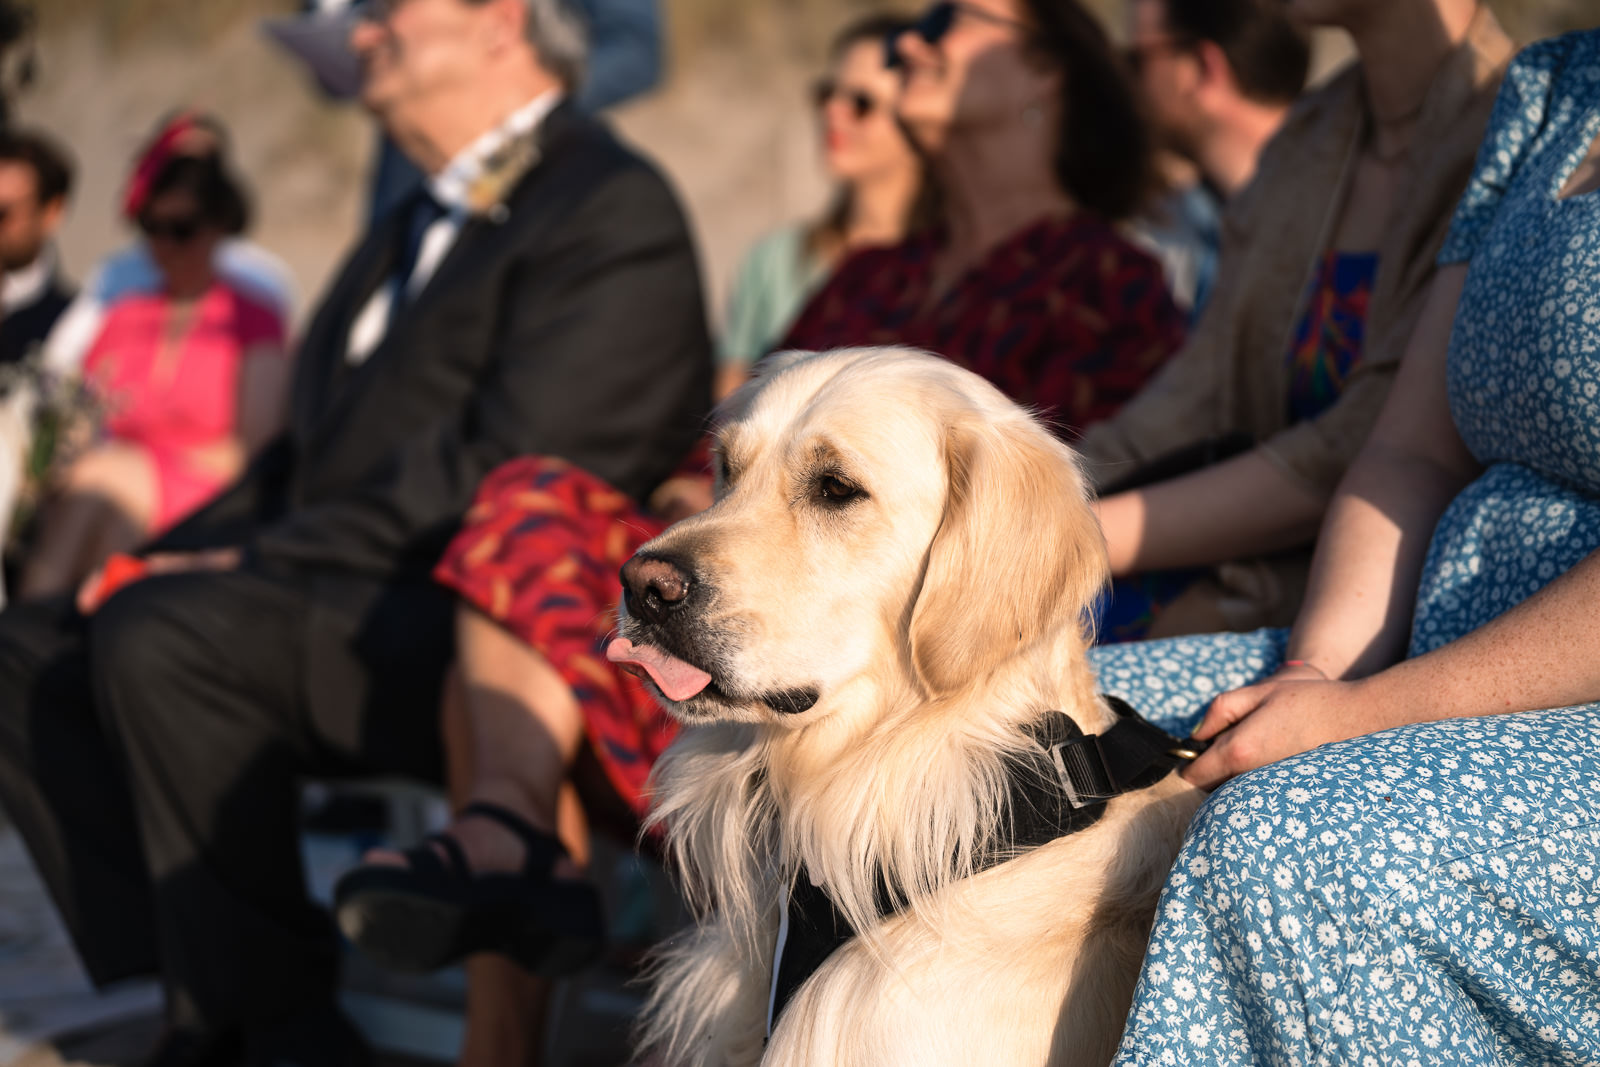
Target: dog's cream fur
[{"x": 934, "y": 616}]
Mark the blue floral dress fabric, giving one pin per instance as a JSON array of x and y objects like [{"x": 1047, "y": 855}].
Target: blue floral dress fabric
[{"x": 1428, "y": 895}]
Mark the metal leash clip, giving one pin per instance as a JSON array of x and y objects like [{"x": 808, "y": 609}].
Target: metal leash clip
[{"x": 1188, "y": 750}]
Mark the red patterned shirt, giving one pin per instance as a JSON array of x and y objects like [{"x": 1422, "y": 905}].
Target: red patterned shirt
[{"x": 1066, "y": 316}]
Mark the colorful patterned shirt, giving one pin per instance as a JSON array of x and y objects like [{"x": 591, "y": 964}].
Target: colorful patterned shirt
[
  {"x": 1327, "y": 342},
  {"x": 1066, "y": 316}
]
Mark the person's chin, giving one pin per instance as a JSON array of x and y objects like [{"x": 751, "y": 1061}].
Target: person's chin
[
  {"x": 924, "y": 108},
  {"x": 840, "y": 164},
  {"x": 927, "y": 133},
  {"x": 378, "y": 95}
]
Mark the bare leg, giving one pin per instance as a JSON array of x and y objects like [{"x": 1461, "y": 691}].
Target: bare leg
[
  {"x": 523, "y": 729},
  {"x": 505, "y": 1004},
  {"x": 511, "y": 731},
  {"x": 107, "y": 504}
]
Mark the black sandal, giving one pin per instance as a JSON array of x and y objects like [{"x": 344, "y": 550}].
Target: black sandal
[{"x": 435, "y": 911}]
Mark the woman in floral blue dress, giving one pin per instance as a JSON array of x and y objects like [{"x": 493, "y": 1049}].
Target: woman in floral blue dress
[{"x": 1424, "y": 887}]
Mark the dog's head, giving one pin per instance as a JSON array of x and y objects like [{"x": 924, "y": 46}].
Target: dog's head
[{"x": 883, "y": 518}]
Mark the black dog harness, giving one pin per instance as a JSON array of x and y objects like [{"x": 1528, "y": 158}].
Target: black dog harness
[{"x": 1058, "y": 791}]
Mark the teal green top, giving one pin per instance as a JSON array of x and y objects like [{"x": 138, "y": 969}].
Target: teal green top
[{"x": 773, "y": 284}]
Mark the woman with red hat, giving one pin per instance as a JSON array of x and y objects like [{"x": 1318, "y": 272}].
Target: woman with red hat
[{"x": 186, "y": 381}]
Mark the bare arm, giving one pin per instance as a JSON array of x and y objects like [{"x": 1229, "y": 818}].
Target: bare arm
[
  {"x": 263, "y": 396},
  {"x": 1540, "y": 654},
  {"x": 1246, "y": 506},
  {"x": 1376, "y": 528},
  {"x": 1357, "y": 612}
]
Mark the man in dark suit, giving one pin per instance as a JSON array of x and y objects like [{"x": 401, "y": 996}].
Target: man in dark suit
[
  {"x": 542, "y": 296},
  {"x": 35, "y": 182}
]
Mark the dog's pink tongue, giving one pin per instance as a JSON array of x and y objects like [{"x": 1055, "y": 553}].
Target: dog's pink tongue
[{"x": 675, "y": 678}]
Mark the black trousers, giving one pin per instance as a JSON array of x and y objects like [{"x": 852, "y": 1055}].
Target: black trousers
[{"x": 150, "y": 757}]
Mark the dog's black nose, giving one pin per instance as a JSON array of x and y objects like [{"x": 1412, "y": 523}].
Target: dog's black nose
[{"x": 653, "y": 587}]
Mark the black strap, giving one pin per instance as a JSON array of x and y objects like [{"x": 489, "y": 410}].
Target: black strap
[
  {"x": 1134, "y": 754},
  {"x": 1057, "y": 790},
  {"x": 541, "y": 850},
  {"x": 457, "y": 856},
  {"x": 816, "y": 929}
]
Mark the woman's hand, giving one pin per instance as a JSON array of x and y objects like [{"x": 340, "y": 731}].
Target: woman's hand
[{"x": 1292, "y": 712}]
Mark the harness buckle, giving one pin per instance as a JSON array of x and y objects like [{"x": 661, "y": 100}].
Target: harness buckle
[{"x": 1081, "y": 765}]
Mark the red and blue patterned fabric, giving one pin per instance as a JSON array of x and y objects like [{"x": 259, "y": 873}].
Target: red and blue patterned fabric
[
  {"x": 1066, "y": 316},
  {"x": 1327, "y": 342},
  {"x": 539, "y": 553}
]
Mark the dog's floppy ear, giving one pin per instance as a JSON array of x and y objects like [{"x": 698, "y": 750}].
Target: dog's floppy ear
[{"x": 1018, "y": 555}]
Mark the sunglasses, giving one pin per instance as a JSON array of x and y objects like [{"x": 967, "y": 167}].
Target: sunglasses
[
  {"x": 178, "y": 231},
  {"x": 935, "y": 24},
  {"x": 825, "y": 91}
]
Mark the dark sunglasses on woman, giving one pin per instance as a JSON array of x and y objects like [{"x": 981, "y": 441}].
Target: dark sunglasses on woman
[
  {"x": 935, "y": 23},
  {"x": 178, "y": 231},
  {"x": 861, "y": 104}
]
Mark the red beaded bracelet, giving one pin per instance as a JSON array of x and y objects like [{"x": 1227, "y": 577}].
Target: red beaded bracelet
[{"x": 1305, "y": 663}]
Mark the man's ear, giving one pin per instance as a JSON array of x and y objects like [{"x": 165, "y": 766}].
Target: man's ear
[
  {"x": 52, "y": 214},
  {"x": 505, "y": 24},
  {"x": 1018, "y": 556}
]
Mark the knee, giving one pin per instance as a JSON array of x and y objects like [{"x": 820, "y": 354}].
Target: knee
[
  {"x": 93, "y": 473},
  {"x": 1257, "y": 838},
  {"x": 109, "y": 465}
]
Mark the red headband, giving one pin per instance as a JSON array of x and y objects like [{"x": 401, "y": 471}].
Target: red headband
[{"x": 155, "y": 158}]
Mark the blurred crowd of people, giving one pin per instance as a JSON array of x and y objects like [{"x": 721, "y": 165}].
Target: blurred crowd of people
[{"x": 390, "y": 545}]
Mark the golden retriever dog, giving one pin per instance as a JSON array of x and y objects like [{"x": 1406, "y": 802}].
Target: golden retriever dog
[{"x": 861, "y": 637}]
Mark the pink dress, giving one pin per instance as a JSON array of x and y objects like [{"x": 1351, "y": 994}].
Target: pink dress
[{"x": 175, "y": 404}]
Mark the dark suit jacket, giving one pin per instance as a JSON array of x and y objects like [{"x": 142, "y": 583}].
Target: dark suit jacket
[
  {"x": 30, "y": 324},
  {"x": 573, "y": 325}
]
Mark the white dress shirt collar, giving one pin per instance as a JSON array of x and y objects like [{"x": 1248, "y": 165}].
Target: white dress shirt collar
[
  {"x": 25, "y": 285},
  {"x": 452, "y": 186}
]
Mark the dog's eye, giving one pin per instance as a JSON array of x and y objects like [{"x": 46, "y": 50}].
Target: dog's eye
[{"x": 835, "y": 490}]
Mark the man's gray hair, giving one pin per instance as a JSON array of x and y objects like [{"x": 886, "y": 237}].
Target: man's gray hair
[{"x": 559, "y": 33}]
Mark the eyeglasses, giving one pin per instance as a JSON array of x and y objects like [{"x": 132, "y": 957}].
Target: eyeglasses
[
  {"x": 826, "y": 90},
  {"x": 934, "y": 24},
  {"x": 177, "y": 230}
]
